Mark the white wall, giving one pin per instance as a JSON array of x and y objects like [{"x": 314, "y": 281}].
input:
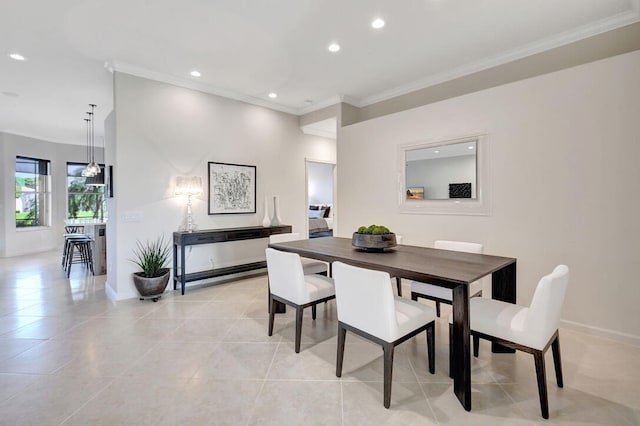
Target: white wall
[
  {"x": 15, "y": 242},
  {"x": 163, "y": 131},
  {"x": 320, "y": 177},
  {"x": 565, "y": 182},
  {"x": 435, "y": 175}
]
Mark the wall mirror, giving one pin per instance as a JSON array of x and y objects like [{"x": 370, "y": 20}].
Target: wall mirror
[{"x": 444, "y": 177}]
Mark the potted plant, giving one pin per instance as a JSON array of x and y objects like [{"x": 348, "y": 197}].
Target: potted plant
[
  {"x": 373, "y": 238},
  {"x": 152, "y": 258}
]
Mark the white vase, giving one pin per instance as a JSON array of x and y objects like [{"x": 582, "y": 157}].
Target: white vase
[
  {"x": 265, "y": 220},
  {"x": 275, "y": 220}
]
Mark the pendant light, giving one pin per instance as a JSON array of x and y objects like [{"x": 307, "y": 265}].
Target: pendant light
[{"x": 92, "y": 168}]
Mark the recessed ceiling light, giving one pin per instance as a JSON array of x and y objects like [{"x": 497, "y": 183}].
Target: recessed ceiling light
[
  {"x": 334, "y": 47},
  {"x": 273, "y": 95},
  {"x": 377, "y": 23},
  {"x": 436, "y": 152},
  {"x": 195, "y": 73},
  {"x": 17, "y": 57},
  {"x": 471, "y": 146}
]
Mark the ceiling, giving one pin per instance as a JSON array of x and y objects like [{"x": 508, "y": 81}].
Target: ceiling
[{"x": 247, "y": 49}]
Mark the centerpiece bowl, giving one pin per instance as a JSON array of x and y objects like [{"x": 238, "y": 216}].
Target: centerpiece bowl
[{"x": 373, "y": 238}]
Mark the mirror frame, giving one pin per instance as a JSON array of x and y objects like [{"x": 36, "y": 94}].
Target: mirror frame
[{"x": 480, "y": 206}]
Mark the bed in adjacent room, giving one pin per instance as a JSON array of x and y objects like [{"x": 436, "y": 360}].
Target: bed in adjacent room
[{"x": 320, "y": 221}]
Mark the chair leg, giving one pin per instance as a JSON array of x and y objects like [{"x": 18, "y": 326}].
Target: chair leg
[
  {"x": 272, "y": 314},
  {"x": 538, "y": 356},
  {"x": 438, "y": 309},
  {"x": 70, "y": 259},
  {"x": 476, "y": 345},
  {"x": 298, "y": 327},
  {"x": 388, "y": 372},
  {"x": 557, "y": 362},
  {"x": 431, "y": 347},
  {"x": 313, "y": 312},
  {"x": 342, "y": 334},
  {"x": 399, "y": 285},
  {"x": 89, "y": 255}
]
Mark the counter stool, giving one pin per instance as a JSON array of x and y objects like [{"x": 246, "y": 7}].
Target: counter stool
[{"x": 78, "y": 250}]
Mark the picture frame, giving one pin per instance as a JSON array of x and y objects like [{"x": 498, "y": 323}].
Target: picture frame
[
  {"x": 415, "y": 193},
  {"x": 232, "y": 188}
]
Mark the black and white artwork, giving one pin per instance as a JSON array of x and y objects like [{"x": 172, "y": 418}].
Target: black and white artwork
[
  {"x": 460, "y": 190},
  {"x": 232, "y": 188}
]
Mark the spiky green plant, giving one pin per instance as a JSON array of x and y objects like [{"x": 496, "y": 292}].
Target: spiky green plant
[{"x": 152, "y": 256}]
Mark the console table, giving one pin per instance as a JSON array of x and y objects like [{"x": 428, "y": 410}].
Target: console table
[{"x": 212, "y": 236}]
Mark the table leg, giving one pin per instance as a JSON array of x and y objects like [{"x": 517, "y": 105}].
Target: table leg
[
  {"x": 183, "y": 277},
  {"x": 175, "y": 266},
  {"x": 461, "y": 365},
  {"x": 503, "y": 287}
]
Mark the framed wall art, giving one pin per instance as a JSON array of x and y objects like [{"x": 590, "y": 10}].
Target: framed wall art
[
  {"x": 415, "y": 193},
  {"x": 232, "y": 188}
]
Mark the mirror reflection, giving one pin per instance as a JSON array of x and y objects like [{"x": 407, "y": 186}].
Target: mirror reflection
[{"x": 441, "y": 172}]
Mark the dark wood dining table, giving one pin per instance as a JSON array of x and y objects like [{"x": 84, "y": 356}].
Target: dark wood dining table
[{"x": 450, "y": 269}]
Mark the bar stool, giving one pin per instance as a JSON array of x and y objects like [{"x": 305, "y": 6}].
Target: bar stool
[
  {"x": 72, "y": 231},
  {"x": 78, "y": 250}
]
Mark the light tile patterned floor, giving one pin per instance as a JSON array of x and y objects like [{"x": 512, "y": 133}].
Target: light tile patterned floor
[{"x": 70, "y": 356}]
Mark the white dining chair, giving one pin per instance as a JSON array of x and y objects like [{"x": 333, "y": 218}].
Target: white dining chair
[
  {"x": 367, "y": 307},
  {"x": 441, "y": 294},
  {"x": 289, "y": 285},
  {"x": 529, "y": 329},
  {"x": 309, "y": 266}
]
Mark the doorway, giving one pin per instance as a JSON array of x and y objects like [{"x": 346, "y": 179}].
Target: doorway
[{"x": 320, "y": 185}]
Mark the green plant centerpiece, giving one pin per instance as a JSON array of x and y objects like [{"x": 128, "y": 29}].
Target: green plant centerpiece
[
  {"x": 151, "y": 257},
  {"x": 375, "y": 238}
]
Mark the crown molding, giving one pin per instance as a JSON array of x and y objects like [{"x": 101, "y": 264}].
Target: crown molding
[
  {"x": 549, "y": 43},
  {"x": 194, "y": 85}
]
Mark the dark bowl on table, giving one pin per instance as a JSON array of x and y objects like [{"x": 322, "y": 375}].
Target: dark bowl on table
[{"x": 376, "y": 243}]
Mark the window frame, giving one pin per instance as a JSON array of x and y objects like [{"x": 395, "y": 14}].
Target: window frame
[
  {"x": 41, "y": 175},
  {"x": 100, "y": 192}
]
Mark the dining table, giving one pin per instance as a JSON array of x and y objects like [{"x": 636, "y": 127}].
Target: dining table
[{"x": 450, "y": 269}]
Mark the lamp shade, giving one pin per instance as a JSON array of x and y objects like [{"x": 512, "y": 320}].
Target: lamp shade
[{"x": 188, "y": 185}]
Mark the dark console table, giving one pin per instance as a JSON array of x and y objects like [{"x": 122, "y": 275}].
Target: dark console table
[{"x": 212, "y": 236}]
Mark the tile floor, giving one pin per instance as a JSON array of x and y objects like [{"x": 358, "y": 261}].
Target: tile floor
[{"x": 69, "y": 356}]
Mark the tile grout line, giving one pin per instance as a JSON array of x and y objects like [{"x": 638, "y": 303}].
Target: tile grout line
[{"x": 264, "y": 382}]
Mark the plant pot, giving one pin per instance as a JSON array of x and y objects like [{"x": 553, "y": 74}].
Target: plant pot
[
  {"x": 379, "y": 243},
  {"x": 151, "y": 288}
]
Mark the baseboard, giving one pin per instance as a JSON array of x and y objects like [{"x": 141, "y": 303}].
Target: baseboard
[
  {"x": 112, "y": 295},
  {"x": 602, "y": 332}
]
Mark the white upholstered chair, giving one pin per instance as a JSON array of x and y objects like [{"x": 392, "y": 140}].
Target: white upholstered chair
[
  {"x": 309, "y": 266},
  {"x": 441, "y": 294},
  {"x": 530, "y": 329},
  {"x": 289, "y": 285},
  {"x": 367, "y": 307}
]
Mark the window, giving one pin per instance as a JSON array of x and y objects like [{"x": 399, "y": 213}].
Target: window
[
  {"x": 33, "y": 195},
  {"x": 85, "y": 195}
]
